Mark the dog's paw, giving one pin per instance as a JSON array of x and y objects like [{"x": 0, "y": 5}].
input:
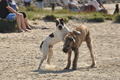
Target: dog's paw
[
  {"x": 38, "y": 68},
  {"x": 74, "y": 68},
  {"x": 93, "y": 66},
  {"x": 66, "y": 68}
]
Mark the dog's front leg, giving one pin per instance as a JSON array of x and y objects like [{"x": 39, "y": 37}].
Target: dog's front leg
[
  {"x": 69, "y": 60},
  {"x": 75, "y": 59}
]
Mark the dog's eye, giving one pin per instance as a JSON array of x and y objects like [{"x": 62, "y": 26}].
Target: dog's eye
[
  {"x": 71, "y": 39},
  {"x": 62, "y": 21},
  {"x": 57, "y": 23},
  {"x": 68, "y": 45}
]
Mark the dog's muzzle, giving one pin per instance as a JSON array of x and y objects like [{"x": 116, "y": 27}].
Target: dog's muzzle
[
  {"x": 65, "y": 50},
  {"x": 60, "y": 27}
]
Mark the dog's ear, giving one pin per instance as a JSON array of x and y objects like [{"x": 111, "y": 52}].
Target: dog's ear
[
  {"x": 62, "y": 19},
  {"x": 76, "y": 32},
  {"x": 68, "y": 34},
  {"x": 55, "y": 19}
]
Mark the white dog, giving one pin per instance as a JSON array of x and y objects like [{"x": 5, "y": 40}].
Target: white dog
[{"x": 55, "y": 37}]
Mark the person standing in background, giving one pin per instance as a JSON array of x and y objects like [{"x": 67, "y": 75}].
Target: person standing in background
[
  {"x": 40, "y": 4},
  {"x": 27, "y": 3},
  {"x": 53, "y": 2}
]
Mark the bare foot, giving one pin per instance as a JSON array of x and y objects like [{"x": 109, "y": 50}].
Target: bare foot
[
  {"x": 21, "y": 31},
  {"x": 29, "y": 28}
]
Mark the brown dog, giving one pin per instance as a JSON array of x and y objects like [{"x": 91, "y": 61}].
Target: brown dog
[{"x": 73, "y": 41}]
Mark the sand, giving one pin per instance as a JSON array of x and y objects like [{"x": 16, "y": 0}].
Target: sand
[{"x": 20, "y": 54}]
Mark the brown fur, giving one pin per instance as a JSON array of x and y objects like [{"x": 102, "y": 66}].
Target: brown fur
[{"x": 73, "y": 41}]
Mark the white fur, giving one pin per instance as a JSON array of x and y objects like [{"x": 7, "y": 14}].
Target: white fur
[{"x": 46, "y": 48}]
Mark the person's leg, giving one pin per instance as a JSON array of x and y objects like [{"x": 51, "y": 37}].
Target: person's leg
[
  {"x": 26, "y": 23},
  {"x": 23, "y": 23},
  {"x": 19, "y": 23},
  {"x": 29, "y": 3},
  {"x": 25, "y": 4},
  {"x": 39, "y": 5},
  {"x": 42, "y": 4},
  {"x": 52, "y": 5}
]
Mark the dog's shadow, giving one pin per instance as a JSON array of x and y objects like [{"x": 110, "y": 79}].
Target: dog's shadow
[{"x": 40, "y": 71}]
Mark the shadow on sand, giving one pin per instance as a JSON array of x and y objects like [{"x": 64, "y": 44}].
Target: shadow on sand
[
  {"x": 40, "y": 71},
  {"x": 45, "y": 71}
]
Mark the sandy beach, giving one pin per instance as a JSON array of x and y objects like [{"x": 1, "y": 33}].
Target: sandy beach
[{"x": 20, "y": 54}]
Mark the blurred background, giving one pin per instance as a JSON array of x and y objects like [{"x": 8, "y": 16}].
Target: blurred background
[{"x": 60, "y": 2}]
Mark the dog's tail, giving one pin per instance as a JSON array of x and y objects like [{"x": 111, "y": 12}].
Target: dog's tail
[{"x": 41, "y": 45}]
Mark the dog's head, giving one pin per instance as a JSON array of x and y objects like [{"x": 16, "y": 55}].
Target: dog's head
[
  {"x": 60, "y": 23},
  {"x": 70, "y": 41}
]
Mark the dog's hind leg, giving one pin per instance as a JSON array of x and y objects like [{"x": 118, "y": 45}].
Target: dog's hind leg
[
  {"x": 89, "y": 44},
  {"x": 44, "y": 56},
  {"x": 41, "y": 61},
  {"x": 49, "y": 55}
]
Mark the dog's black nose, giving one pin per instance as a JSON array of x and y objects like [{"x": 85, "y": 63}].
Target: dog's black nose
[
  {"x": 60, "y": 27},
  {"x": 64, "y": 50}
]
